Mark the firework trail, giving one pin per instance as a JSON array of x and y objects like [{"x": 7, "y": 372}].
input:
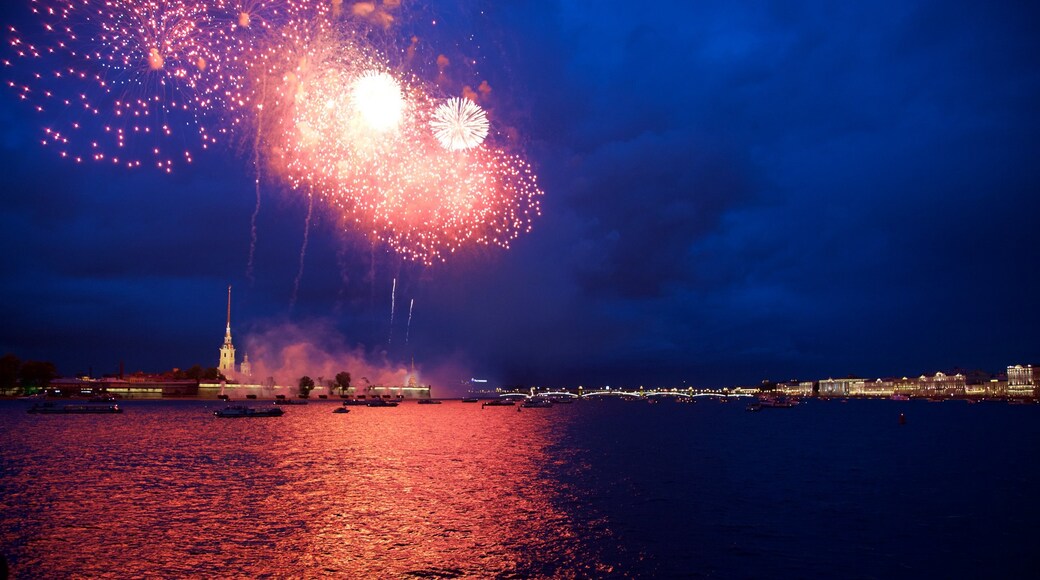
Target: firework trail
[
  {"x": 393, "y": 299},
  {"x": 408, "y": 328},
  {"x": 257, "y": 170},
  {"x": 303, "y": 251}
]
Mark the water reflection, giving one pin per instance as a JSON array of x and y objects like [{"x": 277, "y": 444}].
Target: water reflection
[{"x": 166, "y": 489}]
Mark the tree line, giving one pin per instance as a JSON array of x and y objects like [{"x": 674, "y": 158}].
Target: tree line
[{"x": 28, "y": 376}]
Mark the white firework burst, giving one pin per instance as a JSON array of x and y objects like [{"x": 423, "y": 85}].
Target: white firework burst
[{"x": 459, "y": 124}]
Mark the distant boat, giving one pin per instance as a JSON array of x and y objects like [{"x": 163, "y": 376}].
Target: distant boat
[
  {"x": 498, "y": 403},
  {"x": 52, "y": 409},
  {"x": 470, "y": 400},
  {"x": 754, "y": 407},
  {"x": 290, "y": 402},
  {"x": 381, "y": 403},
  {"x": 429, "y": 402},
  {"x": 237, "y": 411},
  {"x": 899, "y": 398},
  {"x": 341, "y": 410},
  {"x": 355, "y": 403},
  {"x": 536, "y": 403},
  {"x": 780, "y": 402}
]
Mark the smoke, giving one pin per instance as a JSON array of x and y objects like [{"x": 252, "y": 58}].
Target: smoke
[{"x": 288, "y": 351}]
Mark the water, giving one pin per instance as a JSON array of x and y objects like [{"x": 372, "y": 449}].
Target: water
[{"x": 593, "y": 489}]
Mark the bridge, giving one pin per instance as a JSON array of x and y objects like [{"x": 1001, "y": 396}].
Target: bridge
[{"x": 642, "y": 394}]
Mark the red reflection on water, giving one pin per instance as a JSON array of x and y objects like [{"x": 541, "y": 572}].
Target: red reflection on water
[{"x": 167, "y": 489}]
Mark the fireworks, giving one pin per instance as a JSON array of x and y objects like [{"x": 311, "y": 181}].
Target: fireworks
[
  {"x": 459, "y": 124},
  {"x": 377, "y": 98},
  {"x": 138, "y": 82},
  {"x": 120, "y": 81}
]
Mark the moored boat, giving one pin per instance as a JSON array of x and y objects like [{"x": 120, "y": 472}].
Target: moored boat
[
  {"x": 470, "y": 400},
  {"x": 498, "y": 403},
  {"x": 381, "y": 403},
  {"x": 237, "y": 411},
  {"x": 341, "y": 410},
  {"x": 290, "y": 402},
  {"x": 53, "y": 409},
  {"x": 355, "y": 403},
  {"x": 429, "y": 402},
  {"x": 536, "y": 403}
]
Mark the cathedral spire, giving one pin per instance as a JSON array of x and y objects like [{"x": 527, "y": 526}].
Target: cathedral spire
[
  {"x": 227, "y": 352},
  {"x": 229, "y": 308}
]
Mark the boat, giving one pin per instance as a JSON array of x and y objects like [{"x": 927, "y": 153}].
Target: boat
[
  {"x": 899, "y": 398},
  {"x": 470, "y": 400},
  {"x": 776, "y": 402},
  {"x": 381, "y": 403},
  {"x": 290, "y": 402},
  {"x": 754, "y": 407},
  {"x": 536, "y": 403},
  {"x": 355, "y": 403},
  {"x": 429, "y": 402},
  {"x": 341, "y": 410},
  {"x": 498, "y": 403},
  {"x": 53, "y": 409},
  {"x": 236, "y": 411}
]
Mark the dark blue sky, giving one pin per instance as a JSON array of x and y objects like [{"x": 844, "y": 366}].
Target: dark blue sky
[{"x": 732, "y": 193}]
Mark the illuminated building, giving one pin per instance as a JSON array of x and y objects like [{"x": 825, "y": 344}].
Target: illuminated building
[
  {"x": 1022, "y": 381},
  {"x": 941, "y": 385},
  {"x": 841, "y": 387},
  {"x": 246, "y": 368},
  {"x": 227, "y": 351}
]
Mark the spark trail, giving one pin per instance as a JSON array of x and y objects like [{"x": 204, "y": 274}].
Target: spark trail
[
  {"x": 408, "y": 328},
  {"x": 303, "y": 251},
  {"x": 393, "y": 300}
]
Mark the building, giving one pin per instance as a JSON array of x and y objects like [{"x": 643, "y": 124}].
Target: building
[
  {"x": 1022, "y": 380},
  {"x": 246, "y": 368},
  {"x": 941, "y": 385},
  {"x": 227, "y": 351},
  {"x": 841, "y": 387}
]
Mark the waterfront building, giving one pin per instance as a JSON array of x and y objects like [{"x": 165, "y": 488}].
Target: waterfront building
[
  {"x": 841, "y": 387},
  {"x": 246, "y": 368},
  {"x": 227, "y": 351},
  {"x": 878, "y": 388},
  {"x": 796, "y": 388},
  {"x": 905, "y": 386},
  {"x": 1022, "y": 380},
  {"x": 942, "y": 385}
]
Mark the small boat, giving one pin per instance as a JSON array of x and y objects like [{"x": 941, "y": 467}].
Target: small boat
[
  {"x": 52, "y": 409},
  {"x": 899, "y": 398},
  {"x": 536, "y": 404},
  {"x": 429, "y": 402},
  {"x": 381, "y": 403},
  {"x": 776, "y": 403},
  {"x": 102, "y": 399},
  {"x": 498, "y": 403},
  {"x": 236, "y": 411},
  {"x": 290, "y": 402},
  {"x": 470, "y": 400},
  {"x": 341, "y": 410}
]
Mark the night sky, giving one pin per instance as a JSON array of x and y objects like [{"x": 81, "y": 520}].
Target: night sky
[{"x": 732, "y": 193}]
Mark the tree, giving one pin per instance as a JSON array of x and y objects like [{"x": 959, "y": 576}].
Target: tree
[
  {"x": 306, "y": 384},
  {"x": 9, "y": 366},
  {"x": 343, "y": 381},
  {"x": 37, "y": 375}
]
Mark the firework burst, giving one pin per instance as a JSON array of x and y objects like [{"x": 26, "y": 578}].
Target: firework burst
[{"x": 459, "y": 124}]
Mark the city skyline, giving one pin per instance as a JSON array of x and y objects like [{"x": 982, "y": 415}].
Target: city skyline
[{"x": 731, "y": 194}]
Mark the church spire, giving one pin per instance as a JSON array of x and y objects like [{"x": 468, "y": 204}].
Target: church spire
[
  {"x": 227, "y": 352},
  {"x": 229, "y": 308}
]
